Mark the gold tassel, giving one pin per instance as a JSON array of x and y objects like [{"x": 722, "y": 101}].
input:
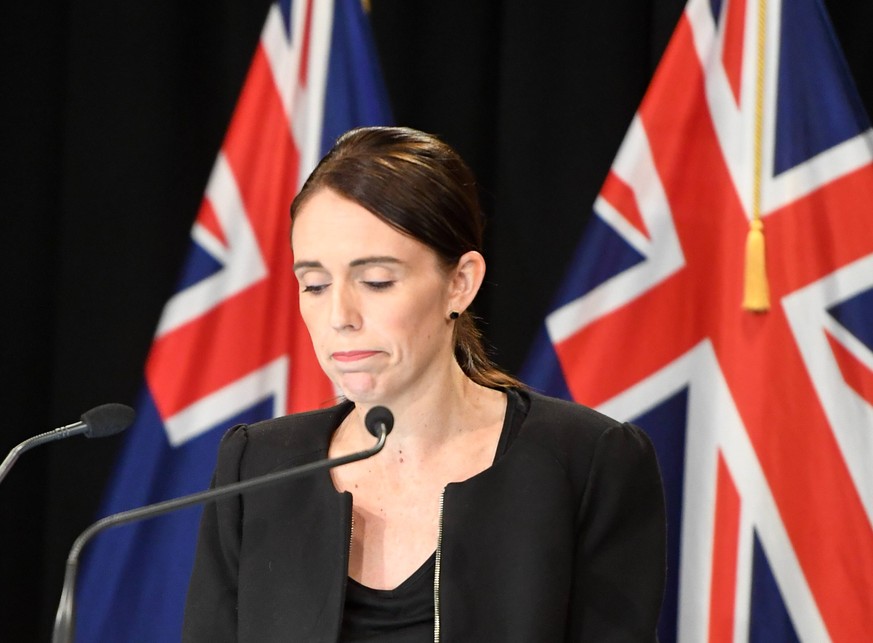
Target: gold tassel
[
  {"x": 756, "y": 297},
  {"x": 756, "y": 294}
]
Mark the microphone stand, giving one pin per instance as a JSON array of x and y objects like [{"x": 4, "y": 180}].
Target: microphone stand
[
  {"x": 64, "y": 629},
  {"x": 49, "y": 436}
]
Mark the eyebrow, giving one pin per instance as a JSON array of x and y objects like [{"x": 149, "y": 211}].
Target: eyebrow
[
  {"x": 368, "y": 260},
  {"x": 363, "y": 261},
  {"x": 306, "y": 264}
]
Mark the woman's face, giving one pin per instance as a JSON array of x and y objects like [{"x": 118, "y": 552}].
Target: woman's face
[{"x": 375, "y": 301}]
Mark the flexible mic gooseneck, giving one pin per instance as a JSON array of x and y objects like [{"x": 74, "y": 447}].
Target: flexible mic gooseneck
[
  {"x": 379, "y": 422},
  {"x": 99, "y": 422}
]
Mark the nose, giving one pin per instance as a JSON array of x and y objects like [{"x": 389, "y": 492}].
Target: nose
[{"x": 344, "y": 310}]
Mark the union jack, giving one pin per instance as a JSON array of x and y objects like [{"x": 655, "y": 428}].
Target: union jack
[
  {"x": 763, "y": 422},
  {"x": 230, "y": 346}
]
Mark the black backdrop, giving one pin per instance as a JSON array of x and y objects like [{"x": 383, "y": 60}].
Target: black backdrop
[{"x": 111, "y": 117}]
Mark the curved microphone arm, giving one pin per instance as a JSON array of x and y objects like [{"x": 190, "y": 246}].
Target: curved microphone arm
[
  {"x": 42, "y": 438},
  {"x": 65, "y": 617},
  {"x": 103, "y": 420}
]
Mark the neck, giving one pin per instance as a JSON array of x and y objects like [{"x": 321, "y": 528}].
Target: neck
[{"x": 423, "y": 423}]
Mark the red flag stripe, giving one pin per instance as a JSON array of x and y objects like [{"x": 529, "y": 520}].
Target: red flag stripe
[
  {"x": 732, "y": 54},
  {"x": 854, "y": 372},
  {"x": 725, "y": 550},
  {"x": 621, "y": 197}
]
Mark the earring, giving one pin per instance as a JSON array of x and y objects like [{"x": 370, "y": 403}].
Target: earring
[{"x": 454, "y": 314}]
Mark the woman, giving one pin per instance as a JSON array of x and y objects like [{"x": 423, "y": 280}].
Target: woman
[{"x": 492, "y": 514}]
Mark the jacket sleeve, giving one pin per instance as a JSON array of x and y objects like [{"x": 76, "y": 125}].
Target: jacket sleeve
[
  {"x": 620, "y": 561},
  {"x": 211, "y": 605}
]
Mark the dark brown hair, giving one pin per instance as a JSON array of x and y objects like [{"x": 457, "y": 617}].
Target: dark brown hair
[{"x": 421, "y": 187}]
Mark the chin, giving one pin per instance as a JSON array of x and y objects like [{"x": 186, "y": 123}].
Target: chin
[{"x": 358, "y": 387}]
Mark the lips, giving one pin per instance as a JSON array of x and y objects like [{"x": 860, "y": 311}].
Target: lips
[{"x": 352, "y": 356}]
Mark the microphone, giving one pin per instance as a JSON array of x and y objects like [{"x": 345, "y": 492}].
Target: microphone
[
  {"x": 379, "y": 422},
  {"x": 97, "y": 423},
  {"x": 379, "y": 419}
]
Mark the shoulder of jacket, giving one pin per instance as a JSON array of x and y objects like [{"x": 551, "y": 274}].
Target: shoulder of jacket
[
  {"x": 576, "y": 434},
  {"x": 299, "y": 425},
  {"x": 560, "y": 416},
  {"x": 287, "y": 440}
]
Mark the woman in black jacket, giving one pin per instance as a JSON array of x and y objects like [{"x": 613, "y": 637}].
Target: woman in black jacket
[{"x": 492, "y": 514}]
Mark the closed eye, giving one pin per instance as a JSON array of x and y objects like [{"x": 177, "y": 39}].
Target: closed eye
[
  {"x": 379, "y": 285},
  {"x": 316, "y": 289}
]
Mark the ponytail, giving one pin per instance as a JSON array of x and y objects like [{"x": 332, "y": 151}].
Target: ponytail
[{"x": 473, "y": 359}]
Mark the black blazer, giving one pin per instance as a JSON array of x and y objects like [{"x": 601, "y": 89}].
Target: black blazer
[{"x": 561, "y": 539}]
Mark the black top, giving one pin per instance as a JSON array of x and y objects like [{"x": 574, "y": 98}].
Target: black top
[{"x": 400, "y": 615}]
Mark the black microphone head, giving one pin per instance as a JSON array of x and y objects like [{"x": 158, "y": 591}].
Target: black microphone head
[
  {"x": 376, "y": 416},
  {"x": 107, "y": 419}
]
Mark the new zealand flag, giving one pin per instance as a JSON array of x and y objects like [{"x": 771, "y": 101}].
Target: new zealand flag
[{"x": 763, "y": 421}]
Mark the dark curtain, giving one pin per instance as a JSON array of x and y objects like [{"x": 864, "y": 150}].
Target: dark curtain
[{"x": 112, "y": 114}]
